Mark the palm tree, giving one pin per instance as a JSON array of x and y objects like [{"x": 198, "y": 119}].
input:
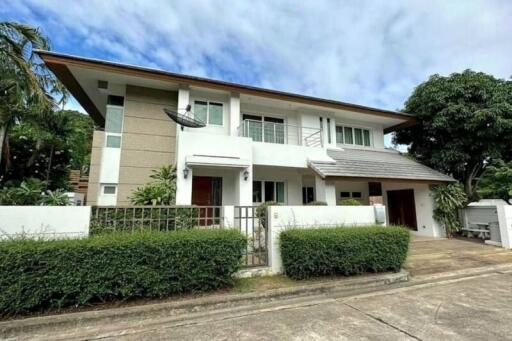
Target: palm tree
[{"x": 26, "y": 84}]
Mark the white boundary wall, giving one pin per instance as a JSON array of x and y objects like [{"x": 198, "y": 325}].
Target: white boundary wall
[
  {"x": 283, "y": 217},
  {"x": 46, "y": 222},
  {"x": 505, "y": 222}
]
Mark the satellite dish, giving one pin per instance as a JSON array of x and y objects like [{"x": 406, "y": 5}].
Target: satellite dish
[{"x": 185, "y": 119}]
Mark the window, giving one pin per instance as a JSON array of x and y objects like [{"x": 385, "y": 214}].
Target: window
[
  {"x": 356, "y": 195},
  {"x": 113, "y": 141},
  {"x": 109, "y": 189},
  {"x": 256, "y": 191},
  {"x": 115, "y": 100},
  {"x": 308, "y": 195},
  {"x": 329, "y": 130},
  {"x": 269, "y": 191},
  {"x": 344, "y": 195},
  {"x": 208, "y": 112},
  {"x": 339, "y": 135},
  {"x": 114, "y": 119},
  {"x": 354, "y": 136},
  {"x": 267, "y": 129}
]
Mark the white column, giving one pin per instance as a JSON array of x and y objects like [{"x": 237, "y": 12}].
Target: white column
[
  {"x": 245, "y": 187},
  {"x": 325, "y": 191},
  {"x": 183, "y": 185},
  {"x": 505, "y": 223},
  {"x": 234, "y": 113}
]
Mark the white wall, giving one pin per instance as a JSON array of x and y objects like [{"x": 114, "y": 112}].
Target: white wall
[
  {"x": 505, "y": 222},
  {"x": 283, "y": 217},
  {"x": 49, "y": 222},
  {"x": 424, "y": 205},
  {"x": 290, "y": 176}
]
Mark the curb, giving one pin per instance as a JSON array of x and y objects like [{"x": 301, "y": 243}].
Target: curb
[{"x": 363, "y": 284}]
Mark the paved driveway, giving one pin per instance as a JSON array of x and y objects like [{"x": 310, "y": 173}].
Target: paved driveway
[
  {"x": 429, "y": 256},
  {"x": 477, "y": 308}
]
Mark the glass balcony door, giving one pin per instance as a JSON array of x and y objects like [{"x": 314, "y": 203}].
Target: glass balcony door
[{"x": 266, "y": 129}]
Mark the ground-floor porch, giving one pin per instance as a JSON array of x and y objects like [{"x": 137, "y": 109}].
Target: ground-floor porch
[{"x": 407, "y": 202}]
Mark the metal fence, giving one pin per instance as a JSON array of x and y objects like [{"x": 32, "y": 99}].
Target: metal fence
[
  {"x": 159, "y": 218},
  {"x": 250, "y": 220}
]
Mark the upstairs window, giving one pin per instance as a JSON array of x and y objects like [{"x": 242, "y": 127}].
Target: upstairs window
[
  {"x": 353, "y": 136},
  {"x": 209, "y": 112}
]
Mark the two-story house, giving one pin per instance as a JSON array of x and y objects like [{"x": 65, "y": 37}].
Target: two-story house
[{"x": 258, "y": 144}]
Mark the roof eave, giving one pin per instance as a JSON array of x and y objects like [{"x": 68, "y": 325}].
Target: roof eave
[{"x": 52, "y": 58}]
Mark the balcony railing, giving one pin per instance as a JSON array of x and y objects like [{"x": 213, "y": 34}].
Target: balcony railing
[{"x": 272, "y": 132}]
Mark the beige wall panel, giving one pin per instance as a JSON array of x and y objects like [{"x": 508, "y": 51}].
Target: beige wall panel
[
  {"x": 142, "y": 94},
  {"x": 134, "y": 175},
  {"x": 92, "y": 193},
  {"x": 98, "y": 139},
  {"x": 164, "y": 144},
  {"x": 138, "y": 125},
  {"x": 145, "y": 159}
]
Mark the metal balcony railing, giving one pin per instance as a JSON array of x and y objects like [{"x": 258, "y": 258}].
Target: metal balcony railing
[{"x": 280, "y": 133}]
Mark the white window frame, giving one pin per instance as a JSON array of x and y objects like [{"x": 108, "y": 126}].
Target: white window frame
[
  {"x": 370, "y": 131},
  {"x": 198, "y": 99},
  {"x": 275, "y": 190},
  {"x": 120, "y": 135},
  {"x": 263, "y": 116}
]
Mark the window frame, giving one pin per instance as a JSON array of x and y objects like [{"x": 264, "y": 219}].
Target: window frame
[
  {"x": 103, "y": 186},
  {"x": 263, "y": 116},
  {"x": 114, "y": 134},
  {"x": 353, "y": 128},
  {"x": 207, "y": 101},
  {"x": 274, "y": 186}
]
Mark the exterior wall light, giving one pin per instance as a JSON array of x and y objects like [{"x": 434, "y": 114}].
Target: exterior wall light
[
  {"x": 246, "y": 175},
  {"x": 185, "y": 172}
]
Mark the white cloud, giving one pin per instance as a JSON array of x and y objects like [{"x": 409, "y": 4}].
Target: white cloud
[{"x": 366, "y": 52}]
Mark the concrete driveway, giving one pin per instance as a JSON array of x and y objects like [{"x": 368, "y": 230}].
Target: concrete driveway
[
  {"x": 474, "y": 308},
  {"x": 430, "y": 256}
]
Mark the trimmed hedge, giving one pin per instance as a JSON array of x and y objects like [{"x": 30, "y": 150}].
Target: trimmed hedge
[
  {"x": 345, "y": 251},
  {"x": 39, "y": 275}
]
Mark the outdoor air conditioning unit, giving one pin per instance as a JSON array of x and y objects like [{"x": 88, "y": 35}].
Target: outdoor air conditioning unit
[{"x": 103, "y": 86}]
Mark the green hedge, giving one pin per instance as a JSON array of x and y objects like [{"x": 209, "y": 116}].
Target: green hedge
[
  {"x": 346, "y": 251},
  {"x": 39, "y": 275}
]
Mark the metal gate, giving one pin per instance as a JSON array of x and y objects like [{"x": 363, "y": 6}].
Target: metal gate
[{"x": 252, "y": 222}]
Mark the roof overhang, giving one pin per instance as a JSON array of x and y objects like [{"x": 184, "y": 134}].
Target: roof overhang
[{"x": 61, "y": 65}]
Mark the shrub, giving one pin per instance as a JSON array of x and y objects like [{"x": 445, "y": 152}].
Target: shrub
[
  {"x": 346, "y": 251},
  {"x": 317, "y": 203},
  {"x": 39, "y": 275},
  {"x": 349, "y": 202},
  {"x": 448, "y": 200},
  {"x": 31, "y": 193},
  {"x": 160, "y": 191}
]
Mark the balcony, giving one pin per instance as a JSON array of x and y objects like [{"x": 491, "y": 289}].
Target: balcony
[{"x": 280, "y": 133}]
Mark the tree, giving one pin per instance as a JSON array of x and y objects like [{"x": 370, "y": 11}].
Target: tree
[
  {"x": 28, "y": 81},
  {"x": 160, "y": 191},
  {"x": 48, "y": 145},
  {"x": 464, "y": 123},
  {"x": 448, "y": 200},
  {"x": 496, "y": 182}
]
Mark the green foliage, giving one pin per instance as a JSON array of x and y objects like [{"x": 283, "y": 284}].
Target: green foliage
[
  {"x": 48, "y": 145},
  {"x": 496, "y": 182},
  {"x": 317, "y": 203},
  {"x": 42, "y": 275},
  {"x": 349, "y": 202},
  {"x": 464, "y": 122},
  {"x": 343, "y": 251},
  {"x": 448, "y": 200},
  {"x": 31, "y": 192},
  {"x": 160, "y": 191}
]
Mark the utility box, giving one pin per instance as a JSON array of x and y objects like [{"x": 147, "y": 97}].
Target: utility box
[{"x": 380, "y": 214}]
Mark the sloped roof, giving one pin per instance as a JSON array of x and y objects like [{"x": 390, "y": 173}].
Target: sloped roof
[{"x": 360, "y": 163}]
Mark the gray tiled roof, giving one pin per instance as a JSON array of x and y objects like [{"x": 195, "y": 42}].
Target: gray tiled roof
[{"x": 375, "y": 164}]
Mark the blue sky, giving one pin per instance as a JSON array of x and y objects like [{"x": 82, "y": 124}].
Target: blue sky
[{"x": 366, "y": 52}]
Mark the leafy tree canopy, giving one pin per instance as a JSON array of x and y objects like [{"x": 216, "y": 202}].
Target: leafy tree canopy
[
  {"x": 464, "y": 122},
  {"x": 496, "y": 182}
]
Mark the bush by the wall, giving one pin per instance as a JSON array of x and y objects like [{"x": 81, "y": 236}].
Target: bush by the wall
[
  {"x": 345, "y": 251},
  {"x": 317, "y": 203},
  {"x": 349, "y": 202},
  {"x": 39, "y": 275}
]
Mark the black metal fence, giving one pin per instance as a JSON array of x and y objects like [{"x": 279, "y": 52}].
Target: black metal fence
[
  {"x": 250, "y": 220},
  {"x": 160, "y": 218}
]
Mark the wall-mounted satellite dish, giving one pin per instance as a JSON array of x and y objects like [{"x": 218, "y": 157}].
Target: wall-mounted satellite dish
[{"x": 185, "y": 119}]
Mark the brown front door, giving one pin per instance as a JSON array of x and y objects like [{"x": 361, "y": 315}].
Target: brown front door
[
  {"x": 207, "y": 191},
  {"x": 402, "y": 208}
]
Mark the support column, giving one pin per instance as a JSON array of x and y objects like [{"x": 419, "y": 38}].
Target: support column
[
  {"x": 325, "y": 191},
  {"x": 245, "y": 187},
  {"x": 183, "y": 185},
  {"x": 234, "y": 113}
]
